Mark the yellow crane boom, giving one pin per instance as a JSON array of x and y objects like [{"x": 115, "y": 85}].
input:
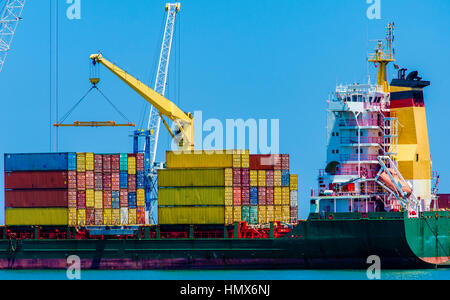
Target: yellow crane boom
[{"x": 165, "y": 107}]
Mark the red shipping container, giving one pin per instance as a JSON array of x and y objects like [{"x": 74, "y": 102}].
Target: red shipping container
[
  {"x": 123, "y": 198},
  {"x": 285, "y": 161},
  {"x": 245, "y": 196},
  {"x": 36, "y": 180},
  {"x": 36, "y": 198},
  {"x": 98, "y": 163},
  {"x": 245, "y": 179},
  {"x": 72, "y": 180},
  {"x": 131, "y": 183},
  {"x": 90, "y": 180},
  {"x": 265, "y": 162},
  {"x": 262, "y": 191},
  {"x": 140, "y": 162},
  {"x": 269, "y": 195},
  {"x": 294, "y": 215},
  {"x": 115, "y": 163},
  {"x": 106, "y": 164},
  {"x": 237, "y": 177},
  {"x": 237, "y": 194},
  {"x": 90, "y": 216},
  {"x": 98, "y": 181},
  {"x": 81, "y": 181},
  {"x": 115, "y": 181},
  {"x": 106, "y": 181},
  {"x": 140, "y": 215},
  {"x": 269, "y": 178},
  {"x": 98, "y": 216},
  {"x": 107, "y": 199},
  {"x": 81, "y": 199},
  {"x": 72, "y": 199}
]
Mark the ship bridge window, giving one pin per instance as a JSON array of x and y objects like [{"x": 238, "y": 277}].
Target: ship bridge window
[{"x": 354, "y": 98}]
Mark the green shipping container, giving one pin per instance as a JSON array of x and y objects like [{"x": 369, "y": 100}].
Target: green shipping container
[
  {"x": 191, "y": 196},
  {"x": 36, "y": 216},
  {"x": 191, "y": 177},
  {"x": 191, "y": 215},
  {"x": 253, "y": 215},
  {"x": 123, "y": 162},
  {"x": 199, "y": 159},
  {"x": 246, "y": 214}
]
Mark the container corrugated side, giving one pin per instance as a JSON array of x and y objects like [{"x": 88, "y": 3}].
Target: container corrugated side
[
  {"x": 89, "y": 161},
  {"x": 124, "y": 215},
  {"x": 36, "y": 198},
  {"x": 191, "y": 177},
  {"x": 81, "y": 217},
  {"x": 229, "y": 196},
  {"x": 107, "y": 216},
  {"x": 285, "y": 196},
  {"x": 191, "y": 215},
  {"x": 294, "y": 198},
  {"x": 90, "y": 198},
  {"x": 191, "y": 196},
  {"x": 293, "y": 182},
  {"x": 262, "y": 215},
  {"x": 81, "y": 162},
  {"x": 36, "y": 216},
  {"x": 229, "y": 215},
  {"x": 36, "y": 180},
  {"x": 198, "y": 159},
  {"x": 72, "y": 217},
  {"x": 277, "y": 195},
  {"x": 36, "y": 162}
]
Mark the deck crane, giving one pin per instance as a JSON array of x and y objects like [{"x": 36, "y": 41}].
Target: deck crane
[
  {"x": 184, "y": 122},
  {"x": 10, "y": 17}
]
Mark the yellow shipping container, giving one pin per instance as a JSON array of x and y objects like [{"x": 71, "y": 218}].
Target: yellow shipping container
[
  {"x": 89, "y": 161},
  {"x": 191, "y": 215},
  {"x": 237, "y": 161},
  {"x": 229, "y": 196},
  {"x": 81, "y": 162},
  {"x": 229, "y": 215},
  {"x": 36, "y": 216},
  {"x": 277, "y": 178},
  {"x": 262, "y": 216},
  {"x": 285, "y": 196},
  {"x": 115, "y": 217},
  {"x": 261, "y": 178},
  {"x": 277, "y": 195},
  {"x": 132, "y": 165},
  {"x": 245, "y": 159},
  {"x": 140, "y": 197},
  {"x": 253, "y": 178},
  {"x": 278, "y": 212},
  {"x": 107, "y": 216},
  {"x": 132, "y": 216},
  {"x": 293, "y": 181},
  {"x": 72, "y": 214},
  {"x": 187, "y": 196},
  {"x": 199, "y": 159},
  {"x": 90, "y": 198},
  {"x": 237, "y": 213},
  {"x": 81, "y": 217},
  {"x": 191, "y": 177},
  {"x": 228, "y": 177},
  {"x": 285, "y": 214},
  {"x": 270, "y": 213},
  {"x": 98, "y": 199}
]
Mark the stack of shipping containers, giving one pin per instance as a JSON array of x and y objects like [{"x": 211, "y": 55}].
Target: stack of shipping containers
[
  {"x": 222, "y": 188},
  {"x": 74, "y": 189}
]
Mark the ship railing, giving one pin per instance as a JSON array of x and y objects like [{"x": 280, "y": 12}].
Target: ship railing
[
  {"x": 362, "y": 140},
  {"x": 359, "y": 157},
  {"x": 362, "y": 122}
]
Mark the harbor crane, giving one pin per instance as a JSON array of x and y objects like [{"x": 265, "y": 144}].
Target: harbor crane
[{"x": 10, "y": 16}]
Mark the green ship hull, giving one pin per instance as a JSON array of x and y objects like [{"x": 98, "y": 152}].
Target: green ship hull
[{"x": 333, "y": 241}]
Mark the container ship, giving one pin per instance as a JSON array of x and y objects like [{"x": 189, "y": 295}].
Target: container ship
[{"x": 232, "y": 209}]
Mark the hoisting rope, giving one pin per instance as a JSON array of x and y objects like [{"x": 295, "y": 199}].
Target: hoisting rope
[{"x": 64, "y": 118}]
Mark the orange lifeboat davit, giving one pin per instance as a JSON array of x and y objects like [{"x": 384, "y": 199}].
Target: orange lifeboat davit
[{"x": 387, "y": 181}]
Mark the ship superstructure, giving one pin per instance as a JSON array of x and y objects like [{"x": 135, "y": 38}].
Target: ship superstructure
[{"x": 378, "y": 156}]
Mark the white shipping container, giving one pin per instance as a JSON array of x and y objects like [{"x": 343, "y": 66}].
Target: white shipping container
[
  {"x": 124, "y": 215},
  {"x": 294, "y": 198}
]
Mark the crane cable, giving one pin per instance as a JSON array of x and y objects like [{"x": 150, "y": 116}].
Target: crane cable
[{"x": 84, "y": 97}]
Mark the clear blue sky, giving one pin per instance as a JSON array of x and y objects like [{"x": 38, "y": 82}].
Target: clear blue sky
[{"x": 235, "y": 59}]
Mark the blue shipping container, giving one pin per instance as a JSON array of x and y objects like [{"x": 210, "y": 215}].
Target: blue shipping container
[
  {"x": 123, "y": 180},
  {"x": 132, "y": 200},
  {"x": 140, "y": 180},
  {"x": 36, "y": 162},
  {"x": 115, "y": 203},
  {"x": 285, "y": 178},
  {"x": 72, "y": 161},
  {"x": 253, "y": 196}
]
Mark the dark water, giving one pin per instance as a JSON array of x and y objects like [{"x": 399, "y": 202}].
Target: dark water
[{"x": 442, "y": 274}]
